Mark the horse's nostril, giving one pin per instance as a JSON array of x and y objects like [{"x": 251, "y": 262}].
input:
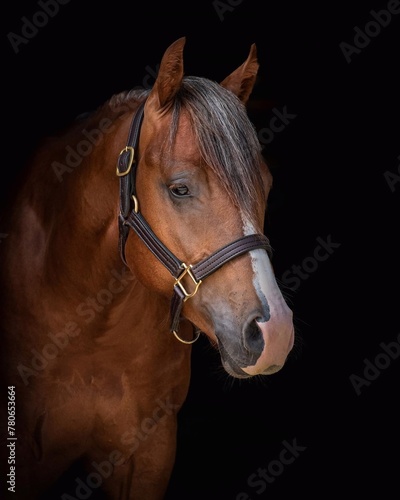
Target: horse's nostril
[{"x": 253, "y": 338}]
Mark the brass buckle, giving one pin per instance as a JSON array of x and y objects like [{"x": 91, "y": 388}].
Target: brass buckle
[
  {"x": 130, "y": 150},
  {"x": 187, "y": 270}
]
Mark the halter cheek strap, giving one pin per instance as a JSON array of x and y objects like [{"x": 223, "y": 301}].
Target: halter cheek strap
[{"x": 131, "y": 218}]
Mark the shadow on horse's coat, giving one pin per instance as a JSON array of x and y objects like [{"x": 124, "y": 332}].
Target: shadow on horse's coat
[{"x": 87, "y": 340}]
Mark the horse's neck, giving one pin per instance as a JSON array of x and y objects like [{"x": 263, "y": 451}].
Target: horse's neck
[{"x": 66, "y": 215}]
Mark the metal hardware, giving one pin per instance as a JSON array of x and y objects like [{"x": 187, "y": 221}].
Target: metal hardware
[
  {"x": 187, "y": 271},
  {"x": 187, "y": 341},
  {"x": 135, "y": 204},
  {"x": 130, "y": 150}
]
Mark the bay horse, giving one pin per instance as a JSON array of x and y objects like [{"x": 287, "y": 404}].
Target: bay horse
[{"x": 132, "y": 232}]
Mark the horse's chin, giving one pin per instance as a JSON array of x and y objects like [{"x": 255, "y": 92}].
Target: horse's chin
[
  {"x": 233, "y": 368},
  {"x": 229, "y": 364},
  {"x": 233, "y": 371}
]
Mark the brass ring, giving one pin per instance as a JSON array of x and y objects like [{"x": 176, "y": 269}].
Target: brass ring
[{"x": 187, "y": 341}]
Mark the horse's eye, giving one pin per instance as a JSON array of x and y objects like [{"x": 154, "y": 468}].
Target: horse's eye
[{"x": 179, "y": 190}]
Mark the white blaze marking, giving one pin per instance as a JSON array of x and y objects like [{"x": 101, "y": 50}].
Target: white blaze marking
[
  {"x": 277, "y": 331},
  {"x": 264, "y": 278}
]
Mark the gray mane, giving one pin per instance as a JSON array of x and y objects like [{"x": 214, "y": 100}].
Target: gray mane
[{"x": 226, "y": 138}]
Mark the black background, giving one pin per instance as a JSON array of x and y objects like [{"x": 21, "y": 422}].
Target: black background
[{"x": 329, "y": 167}]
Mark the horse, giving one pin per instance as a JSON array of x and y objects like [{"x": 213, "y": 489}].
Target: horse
[{"x": 134, "y": 230}]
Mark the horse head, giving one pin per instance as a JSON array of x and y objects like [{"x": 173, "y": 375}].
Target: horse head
[{"x": 201, "y": 183}]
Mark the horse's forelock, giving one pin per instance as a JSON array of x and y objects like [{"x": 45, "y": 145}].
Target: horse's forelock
[{"x": 226, "y": 138}]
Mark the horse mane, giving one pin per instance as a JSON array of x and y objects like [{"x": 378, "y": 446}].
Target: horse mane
[
  {"x": 226, "y": 138},
  {"x": 128, "y": 98}
]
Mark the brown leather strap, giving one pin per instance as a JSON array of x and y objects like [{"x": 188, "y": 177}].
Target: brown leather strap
[
  {"x": 138, "y": 223},
  {"x": 229, "y": 252},
  {"x": 178, "y": 298},
  {"x": 203, "y": 268}
]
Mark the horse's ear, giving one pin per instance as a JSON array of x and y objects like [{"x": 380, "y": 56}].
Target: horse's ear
[
  {"x": 242, "y": 80},
  {"x": 169, "y": 77}
]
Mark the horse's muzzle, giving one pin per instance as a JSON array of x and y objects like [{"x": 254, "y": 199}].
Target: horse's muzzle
[
  {"x": 262, "y": 350},
  {"x": 278, "y": 339}
]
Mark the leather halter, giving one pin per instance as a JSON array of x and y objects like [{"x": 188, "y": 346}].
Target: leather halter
[{"x": 131, "y": 218}]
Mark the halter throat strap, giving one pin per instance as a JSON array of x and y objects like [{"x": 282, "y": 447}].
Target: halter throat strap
[{"x": 187, "y": 277}]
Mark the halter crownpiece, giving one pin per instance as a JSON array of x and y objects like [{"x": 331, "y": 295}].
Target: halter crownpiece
[{"x": 131, "y": 218}]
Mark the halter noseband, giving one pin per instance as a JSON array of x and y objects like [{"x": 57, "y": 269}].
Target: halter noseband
[{"x": 131, "y": 218}]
